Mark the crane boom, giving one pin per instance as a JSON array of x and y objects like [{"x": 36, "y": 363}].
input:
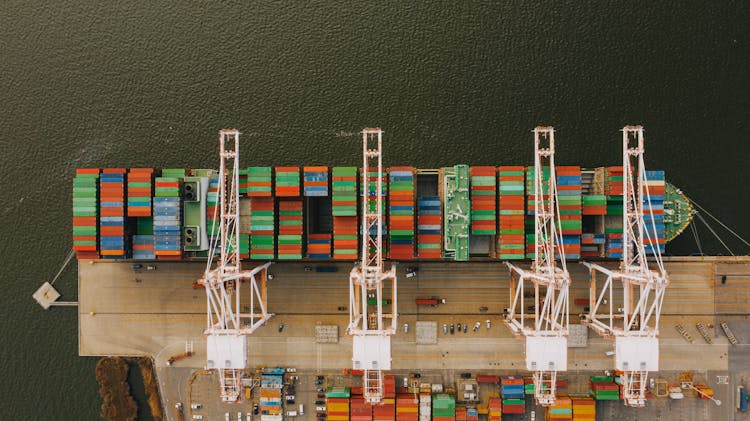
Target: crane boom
[
  {"x": 640, "y": 288},
  {"x": 227, "y": 325},
  {"x": 546, "y": 330},
  {"x": 367, "y": 321}
]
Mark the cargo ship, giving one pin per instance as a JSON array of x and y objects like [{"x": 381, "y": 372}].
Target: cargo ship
[{"x": 300, "y": 213}]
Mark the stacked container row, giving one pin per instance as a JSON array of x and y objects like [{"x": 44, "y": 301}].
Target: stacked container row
[
  {"x": 262, "y": 228},
  {"x": 653, "y": 209},
  {"x": 287, "y": 182},
  {"x": 168, "y": 215},
  {"x": 259, "y": 182},
  {"x": 140, "y": 184},
  {"x": 360, "y": 410},
  {"x": 337, "y": 404},
  {"x": 385, "y": 410},
  {"x": 443, "y": 407},
  {"x": 112, "y": 213},
  {"x": 407, "y": 408},
  {"x": 531, "y": 206},
  {"x": 85, "y": 213},
  {"x": 345, "y": 240},
  {"x": 316, "y": 181},
  {"x": 401, "y": 190},
  {"x": 290, "y": 229},
  {"x": 613, "y": 189},
  {"x": 603, "y": 388},
  {"x": 561, "y": 410},
  {"x": 511, "y": 205},
  {"x": 494, "y": 409},
  {"x": 370, "y": 189},
  {"x": 512, "y": 392},
  {"x": 584, "y": 409},
  {"x": 569, "y": 203},
  {"x": 429, "y": 230},
  {"x": 483, "y": 215}
]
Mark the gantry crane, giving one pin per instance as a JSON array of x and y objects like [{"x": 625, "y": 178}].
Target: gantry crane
[
  {"x": 546, "y": 330},
  {"x": 642, "y": 295},
  {"x": 367, "y": 322},
  {"x": 227, "y": 325}
]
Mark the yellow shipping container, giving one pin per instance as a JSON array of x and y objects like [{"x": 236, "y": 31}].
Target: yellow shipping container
[
  {"x": 407, "y": 410},
  {"x": 338, "y": 407}
]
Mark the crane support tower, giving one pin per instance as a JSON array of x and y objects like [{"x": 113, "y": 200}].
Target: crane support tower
[
  {"x": 546, "y": 330},
  {"x": 227, "y": 325},
  {"x": 637, "y": 288},
  {"x": 368, "y": 322}
]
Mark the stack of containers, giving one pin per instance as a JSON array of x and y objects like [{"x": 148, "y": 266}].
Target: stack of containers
[
  {"x": 603, "y": 388},
  {"x": 143, "y": 247},
  {"x": 407, "y": 408},
  {"x": 425, "y": 404},
  {"x": 85, "y": 193},
  {"x": 494, "y": 409},
  {"x": 212, "y": 211},
  {"x": 242, "y": 176},
  {"x": 530, "y": 206},
  {"x": 593, "y": 206},
  {"x": 337, "y": 404},
  {"x": 270, "y": 393},
  {"x": 511, "y": 205},
  {"x": 614, "y": 191},
  {"x": 360, "y": 409},
  {"x": 139, "y": 191},
  {"x": 654, "y": 218},
  {"x": 401, "y": 200},
  {"x": 371, "y": 189},
  {"x": 561, "y": 410},
  {"x": 316, "y": 181},
  {"x": 473, "y": 415},
  {"x": 290, "y": 229},
  {"x": 584, "y": 409},
  {"x": 112, "y": 213},
  {"x": 140, "y": 184},
  {"x": 429, "y": 241},
  {"x": 385, "y": 410},
  {"x": 345, "y": 239},
  {"x": 319, "y": 246},
  {"x": 259, "y": 182},
  {"x": 528, "y": 386},
  {"x": 512, "y": 392},
  {"x": 483, "y": 215},
  {"x": 443, "y": 407},
  {"x": 244, "y": 227},
  {"x": 389, "y": 386},
  {"x": 287, "y": 182},
  {"x": 262, "y": 228},
  {"x": 168, "y": 215},
  {"x": 569, "y": 203},
  {"x": 460, "y": 414}
]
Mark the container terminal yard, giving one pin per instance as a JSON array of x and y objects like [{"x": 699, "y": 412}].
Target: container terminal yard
[{"x": 461, "y": 293}]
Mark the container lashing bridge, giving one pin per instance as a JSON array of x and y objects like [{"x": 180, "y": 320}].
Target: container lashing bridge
[{"x": 546, "y": 330}]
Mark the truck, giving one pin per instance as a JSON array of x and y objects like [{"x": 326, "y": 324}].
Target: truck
[
  {"x": 177, "y": 357},
  {"x": 434, "y": 301}
]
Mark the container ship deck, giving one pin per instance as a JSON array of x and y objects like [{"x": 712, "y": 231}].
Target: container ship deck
[{"x": 459, "y": 213}]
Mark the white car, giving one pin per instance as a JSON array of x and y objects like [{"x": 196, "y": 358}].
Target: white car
[
  {"x": 197, "y": 417},
  {"x": 196, "y": 406},
  {"x": 226, "y": 416},
  {"x": 489, "y": 323},
  {"x": 406, "y": 327},
  {"x": 249, "y": 416},
  {"x": 239, "y": 416},
  {"x": 675, "y": 392}
]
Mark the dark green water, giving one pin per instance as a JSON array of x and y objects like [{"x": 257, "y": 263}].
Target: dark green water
[{"x": 86, "y": 83}]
